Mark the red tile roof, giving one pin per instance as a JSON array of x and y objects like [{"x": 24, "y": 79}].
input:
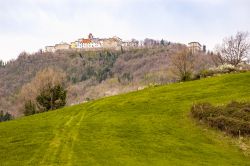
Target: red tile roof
[{"x": 85, "y": 41}]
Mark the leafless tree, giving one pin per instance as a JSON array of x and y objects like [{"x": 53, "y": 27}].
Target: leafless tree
[
  {"x": 183, "y": 63},
  {"x": 216, "y": 59},
  {"x": 234, "y": 49}
]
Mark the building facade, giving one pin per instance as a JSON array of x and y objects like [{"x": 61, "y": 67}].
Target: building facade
[
  {"x": 62, "y": 46},
  {"x": 131, "y": 43},
  {"x": 73, "y": 45},
  {"x": 50, "y": 49},
  {"x": 194, "y": 47},
  {"x": 111, "y": 43}
]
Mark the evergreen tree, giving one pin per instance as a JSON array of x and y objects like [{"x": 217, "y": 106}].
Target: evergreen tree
[
  {"x": 52, "y": 98},
  {"x": 5, "y": 116},
  {"x": 1, "y": 116},
  {"x": 1, "y": 63},
  {"x": 29, "y": 108},
  {"x": 162, "y": 42}
]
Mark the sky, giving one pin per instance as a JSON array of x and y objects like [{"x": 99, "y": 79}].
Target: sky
[{"x": 30, "y": 25}]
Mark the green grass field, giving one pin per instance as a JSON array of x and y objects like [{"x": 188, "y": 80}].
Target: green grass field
[{"x": 148, "y": 127}]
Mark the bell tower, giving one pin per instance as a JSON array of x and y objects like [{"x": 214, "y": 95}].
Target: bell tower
[{"x": 91, "y": 36}]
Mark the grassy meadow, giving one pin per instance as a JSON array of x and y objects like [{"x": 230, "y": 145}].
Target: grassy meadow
[{"x": 148, "y": 127}]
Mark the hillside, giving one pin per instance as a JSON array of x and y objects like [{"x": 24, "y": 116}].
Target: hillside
[
  {"x": 148, "y": 127},
  {"x": 92, "y": 74}
]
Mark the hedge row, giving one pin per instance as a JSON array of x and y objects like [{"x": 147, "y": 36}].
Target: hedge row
[{"x": 233, "y": 118}]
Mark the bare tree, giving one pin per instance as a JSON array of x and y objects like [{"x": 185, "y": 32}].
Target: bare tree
[
  {"x": 183, "y": 63},
  {"x": 216, "y": 59},
  {"x": 234, "y": 49}
]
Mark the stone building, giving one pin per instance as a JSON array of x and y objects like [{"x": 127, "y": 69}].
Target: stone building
[
  {"x": 111, "y": 42},
  {"x": 194, "y": 47},
  {"x": 62, "y": 46}
]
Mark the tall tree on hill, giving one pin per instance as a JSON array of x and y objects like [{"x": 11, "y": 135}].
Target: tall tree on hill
[
  {"x": 234, "y": 49},
  {"x": 52, "y": 98},
  {"x": 48, "y": 86},
  {"x": 1, "y": 63},
  {"x": 162, "y": 42},
  {"x": 183, "y": 63}
]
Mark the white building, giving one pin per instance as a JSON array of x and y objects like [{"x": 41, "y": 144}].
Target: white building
[
  {"x": 88, "y": 43},
  {"x": 50, "y": 49}
]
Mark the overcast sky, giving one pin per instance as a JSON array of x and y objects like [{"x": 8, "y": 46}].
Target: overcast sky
[{"x": 28, "y": 25}]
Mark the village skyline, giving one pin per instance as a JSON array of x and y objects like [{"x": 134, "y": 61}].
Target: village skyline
[{"x": 92, "y": 42}]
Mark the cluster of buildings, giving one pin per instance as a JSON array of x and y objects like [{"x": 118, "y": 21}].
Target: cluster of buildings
[
  {"x": 94, "y": 43},
  {"x": 116, "y": 43}
]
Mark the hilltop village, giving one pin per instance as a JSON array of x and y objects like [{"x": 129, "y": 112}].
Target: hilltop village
[{"x": 92, "y": 43}]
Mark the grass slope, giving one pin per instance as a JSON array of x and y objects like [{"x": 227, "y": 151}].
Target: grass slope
[{"x": 149, "y": 127}]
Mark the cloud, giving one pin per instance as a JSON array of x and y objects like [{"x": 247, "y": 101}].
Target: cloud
[{"x": 31, "y": 24}]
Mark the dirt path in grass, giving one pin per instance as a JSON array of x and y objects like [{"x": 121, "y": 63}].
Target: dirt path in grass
[{"x": 60, "y": 151}]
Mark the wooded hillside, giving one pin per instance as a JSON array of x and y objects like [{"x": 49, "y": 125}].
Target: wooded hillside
[{"x": 94, "y": 74}]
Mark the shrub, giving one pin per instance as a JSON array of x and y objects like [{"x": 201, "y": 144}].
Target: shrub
[
  {"x": 205, "y": 73},
  {"x": 29, "y": 108},
  {"x": 226, "y": 68},
  {"x": 186, "y": 76},
  {"x": 222, "y": 69},
  {"x": 5, "y": 116},
  {"x": 233, "y": 118},
  {"x": 125, "y": 78},
  {"x": 230, "y": 125}
]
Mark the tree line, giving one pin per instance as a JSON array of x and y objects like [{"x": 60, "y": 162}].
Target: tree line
[{"x": 234, "y": 51}]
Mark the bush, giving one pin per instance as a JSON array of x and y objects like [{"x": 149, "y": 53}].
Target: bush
[
  {"x": 222, "y": 69},
  {"x": 233, "y": 118},
  {"x": 230, "y": 125},
  {"x": 205, "y": 73},
  {"x": 125, "y": 78},
  {"x": 5, "y": 116},
  {"x": 29, "y": 108},
  {"x": 186, "y": 76},
  {"x": 226, "y": 68}
]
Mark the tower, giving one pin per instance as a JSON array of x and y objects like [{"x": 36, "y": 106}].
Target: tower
[
  {"x": 204, "y": 49},
  {"x": 91, "y": 36}
]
